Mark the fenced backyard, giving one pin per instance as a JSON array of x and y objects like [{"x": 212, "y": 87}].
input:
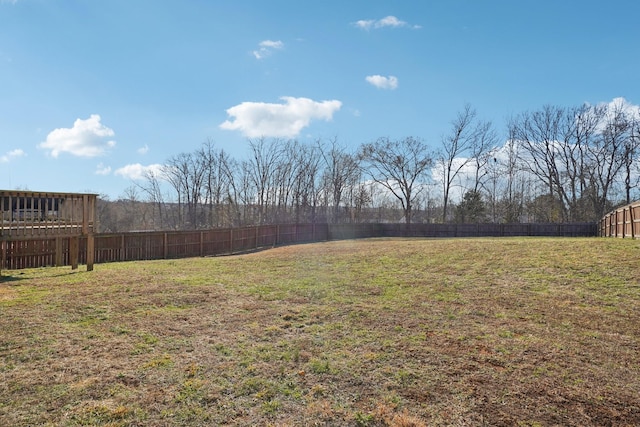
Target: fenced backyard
[{"x": 57, "y": 251}]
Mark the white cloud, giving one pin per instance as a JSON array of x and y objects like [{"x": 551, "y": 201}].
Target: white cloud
[
  {"x": 257, "y": 119},
  {"x": 272, "y": 44},
  {"x": 621, "y": 104},
  {"x": 616, "y": 105},
  {"x": 143, "y": 150},
  {"x": 365, "y": 25},
  {"x": 137, "y": 171},
  {"x": 266, "y": 48},
  {"x": 10, "y": 155},
  {"x": 87, "y": 138},
  {"x": 102, "y": 169},
  {"x": 391, "y": 21},
  {"x": 382, "y": 82},
  {"x": 387, "y": 21}
]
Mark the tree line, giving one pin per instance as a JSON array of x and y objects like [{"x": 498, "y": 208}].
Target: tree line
[{"x": 556, "y": 164}]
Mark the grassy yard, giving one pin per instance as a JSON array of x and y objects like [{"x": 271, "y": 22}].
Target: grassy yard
[{"x": 376, "y": 332}]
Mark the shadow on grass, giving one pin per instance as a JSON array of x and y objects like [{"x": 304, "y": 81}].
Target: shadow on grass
[
  {"x": 7, "y": 276},
  {"x": 6, "y": 279}
]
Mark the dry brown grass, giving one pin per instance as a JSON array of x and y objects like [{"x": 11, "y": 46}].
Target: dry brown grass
[{"x": 379, "y": 332}]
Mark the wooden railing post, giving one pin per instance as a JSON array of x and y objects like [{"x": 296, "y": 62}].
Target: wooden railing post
[
  {"x": 74, "y": 248},
  {"x": 90, "y": 251},
  {"x": 58, "y": 256},
  {"x": 3, "y": 254}
]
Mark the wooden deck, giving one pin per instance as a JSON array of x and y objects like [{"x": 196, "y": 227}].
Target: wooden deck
[{"x": 26, "y": 215}]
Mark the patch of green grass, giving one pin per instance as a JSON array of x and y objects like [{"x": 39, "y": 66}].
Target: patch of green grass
[
  {"x": 319, "y": 366},
  {"x": 163, "y": 361},
  {"x": 19, "y": 295},
  {"x": 271, "y": 406}
]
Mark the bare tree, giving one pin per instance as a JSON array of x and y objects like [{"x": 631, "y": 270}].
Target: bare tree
[
  {"x": 513, "y": 193},
  {"x": 467, "y": 141},
  {"x": 398, "y": 166},
  {"x": 362, "y": 198},
  {"x": 495, "y": 174},
  {"x": 306, "y": 183},
  {"x": 555, "y": 143},
  {"x": 262, "y": 169},
  {"x": 632, "y": 145},
  {"x": 580, "y": 126},
  {"x": 233, "y": 174},
  {"x": 540, "y": 135},
  {"x": 105, "y": 215},
  {"x": 485, "y": 141},
  {"x": 215, "y": 181},
  {"x": 186, "y": 172},
  {"x": 341, "y": 170},
  {"x": 608, "y": 154},
  {"x": 171, "y": 173},
  {"x": 152, "y": 187},
  {"x": 580, "y": 154},
  {"x": 246, "y": 193},
  {"x": 287, "y": 165},
  {"x": 135, "y": 212}
]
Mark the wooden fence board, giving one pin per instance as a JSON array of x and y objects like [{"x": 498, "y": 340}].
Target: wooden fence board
[{"x": 217, "y": 242}]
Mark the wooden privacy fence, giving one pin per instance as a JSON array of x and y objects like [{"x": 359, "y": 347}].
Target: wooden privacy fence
[
  {"x": 623, "y": 222},
  {"x": 16, "y": 254}
]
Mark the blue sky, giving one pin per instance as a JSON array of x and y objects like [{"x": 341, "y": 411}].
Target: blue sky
[{"x": 92, "y": 92}]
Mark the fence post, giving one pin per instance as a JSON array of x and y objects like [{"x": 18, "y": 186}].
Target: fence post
[
  {"x": 3, "y": 254},
  {"x": 91, "y": 248},
  {"x": 58, "y": 260},
  {"x": 231, "y": 240},
  {"x": 633, "y": 225},
  {"x": 165, "y": 245},
  {"x": 74, "y": 247}
]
